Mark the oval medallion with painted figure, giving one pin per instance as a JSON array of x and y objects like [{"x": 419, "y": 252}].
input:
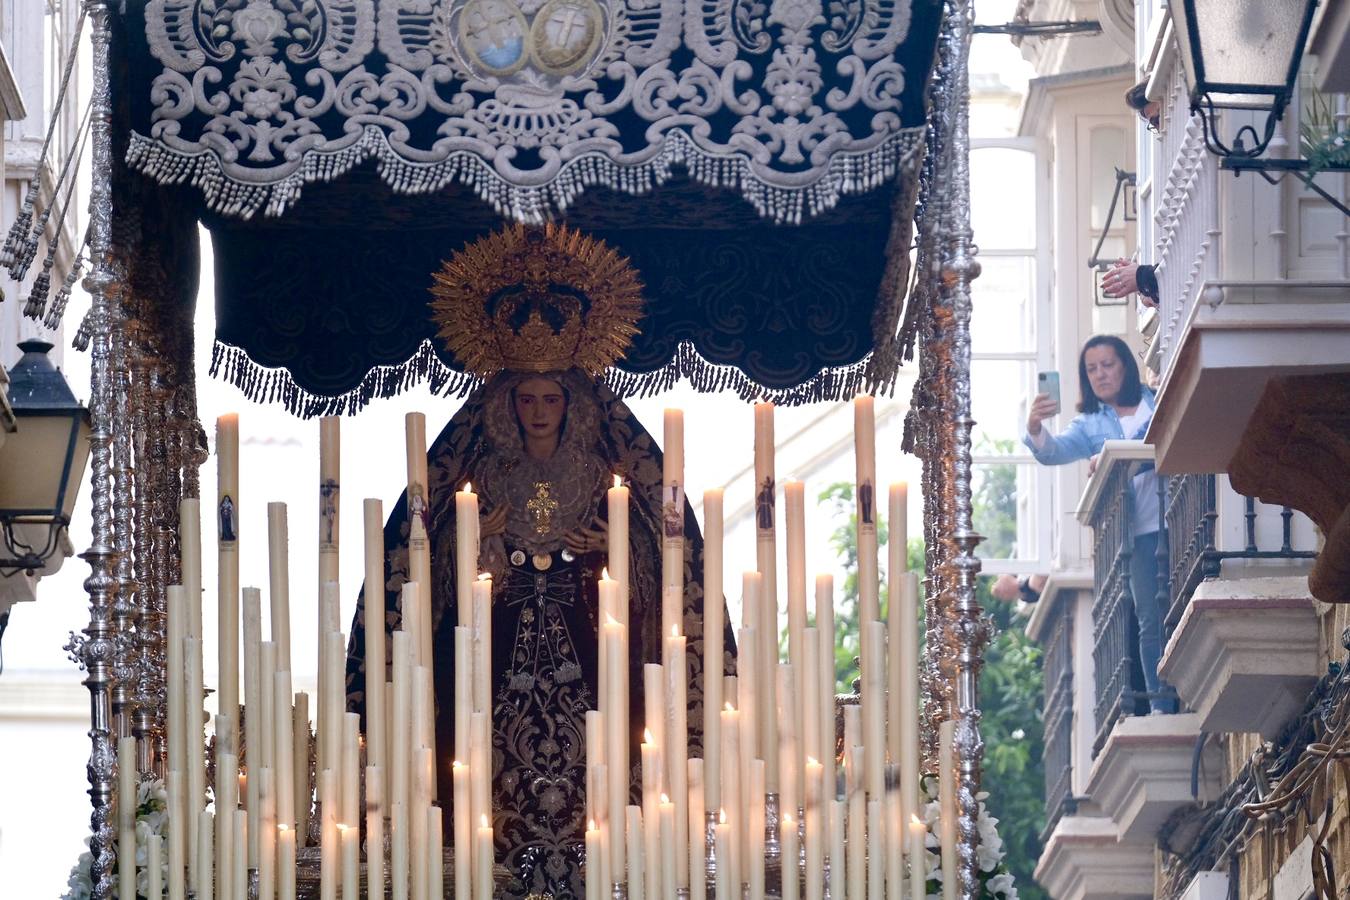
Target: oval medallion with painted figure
[
  {"x": 492, "y": 33},
  {"x": 565, "y": 35}
]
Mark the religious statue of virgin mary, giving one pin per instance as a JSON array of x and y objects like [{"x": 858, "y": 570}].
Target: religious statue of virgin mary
[{"x": 539, "y": 314}]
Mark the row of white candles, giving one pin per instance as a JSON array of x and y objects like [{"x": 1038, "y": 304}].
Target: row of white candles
[{"x": 655, "y": 848}]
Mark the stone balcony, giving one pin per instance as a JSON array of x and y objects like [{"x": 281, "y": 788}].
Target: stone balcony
[
  {"x": 1245, "y": 654},
  {"x": 1145, "y": 770},
  {"x": 1085, "y": 860}
]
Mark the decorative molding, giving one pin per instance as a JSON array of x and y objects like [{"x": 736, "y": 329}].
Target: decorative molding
[
  {"x": 12, "y": 108},
  {"x": 1085, "y": 860},
  {"x": 1143, "y": 773},
  {"x": 1245, "y": 654}
]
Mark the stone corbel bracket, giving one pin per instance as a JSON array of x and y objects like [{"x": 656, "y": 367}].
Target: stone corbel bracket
[{"x": 1295, "y": 451}]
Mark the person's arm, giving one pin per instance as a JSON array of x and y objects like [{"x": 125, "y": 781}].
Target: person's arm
[{"x": 1059, "y": 449}]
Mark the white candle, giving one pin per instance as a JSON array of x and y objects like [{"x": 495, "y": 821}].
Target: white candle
[
  {"x": 947, "y": 803},
  {"x": 373, "y": 512},
  {"x": 154, "y": 866},
  {"x": 300, "y": 770},
  {"x": 240, "y": 839},
  {"x": 175, "y": 603},
  {"x": 723, "y": 841},
  {"x": 595, "y": 757},
  {"x": 480, "y": 771},
  {"x": 332, "y": 702},
  {"x": 206, "y": 828},
  {"x": 754, "y": 818},
  {"x": 635, "y": 835},
  {"x": 876, "y": 863},
  {"x": 766, "y": 546},
  {"x": 375, "y": 811},
  {"x": 279, "y": 582},
  {"x": 731, "y": 797},
  {"x": 190, "y": 557},
  {"x": 677, "y": 751},
  {"x": 435, "y": 855},
  {"x": 815, "y": 845},
  {"x": 810, "y": 709},
  {"x": 285, "y": 862},
  {"x": 895, "y": 843},
  {"x": 713, "y": 650},
  {"x": 838, "y": 865},
  {"x": 697, "y": 823},
  {"x": 904, "y": 659},
  {"x": 284, "y": 751},
  {"x": 253, "y": 707},
  {"x": 898, "y": 525},
  {"x": 791, "y": 855},
  {"x": 351, "y": 770},
  {"x": 267, "y": 836},
  {"x": 857, "y": 818},
  {"x": 874, "y": 708},
  {"x": 651, "y": 815},
  {"x": 918, "y": 859},
  {"x": 618, "y": 501},
  {"x": 195, "y": 799},
  {"x": 126, "y": 816},
  {"x": 825, "y": 626},
  {"x": 423, "y": 771},
  {"x": 419, "y": 506},
  {"x": 668, "y": 851},
  {"x": 267, "y": 697},
  {"x": 789, "y": 741},
  {"x": 672, "y": 525},
  {"x": 330, "y": 850},
  {"x": 593, "y": 854},
  {"x": 794, "y": 501},
  {"x": 227, "y": 572},
  {"x": 400, "y": 749},
  {"x": 484, "y": 860},
  {"x": 466, "y": 548},
  {"x": 330, "y": 464},
  {"x": 347, "y": 840},
  {"x": 227, "y": 800},
  {"x": 748, "y": 716},
  {"x": 865, "y": 457},
  {"x": 616, "y": 741},
  {"x": 327, "y": 730},
  {"x": 178, "y": 833},
  {"x": 399, "y": 850},
  {"x": 459, "y": 774}
]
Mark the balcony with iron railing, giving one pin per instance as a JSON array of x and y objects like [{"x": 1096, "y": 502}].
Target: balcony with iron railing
[
  {"x": 1253, "y": 278},
  {"x": 1209, "y": 537}
]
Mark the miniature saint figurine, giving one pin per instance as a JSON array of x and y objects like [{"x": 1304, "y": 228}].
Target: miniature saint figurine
[{"x": 540, "y": 314}]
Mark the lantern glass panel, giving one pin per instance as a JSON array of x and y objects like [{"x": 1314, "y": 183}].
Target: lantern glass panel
[
  {"x": 1246, "y": 49},
  {"x": 34, "y": 461}
]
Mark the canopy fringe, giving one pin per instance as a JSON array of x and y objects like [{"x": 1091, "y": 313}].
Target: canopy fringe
[
  {"x": 264, "y": 384},
  {"x": 848, "y": 173}
]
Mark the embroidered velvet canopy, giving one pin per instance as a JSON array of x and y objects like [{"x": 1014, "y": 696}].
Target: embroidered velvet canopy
[{"x": 757, "y": 161}]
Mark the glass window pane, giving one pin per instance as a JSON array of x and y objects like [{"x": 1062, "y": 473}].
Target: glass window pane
[
  {"x": 1004, "y": 298},
  {"x": 1003, "y": 198},
  {"x": 1000, "y": 390},
  {"x": 1108, "y": 155},
  {"x": 1003, "y": 510}
]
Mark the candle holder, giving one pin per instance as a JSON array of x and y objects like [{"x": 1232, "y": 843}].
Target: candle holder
[
  {"x": 710, "y": 850},
  {"x": 773, "y": 849},
  {"x": 620, "y": 891},
  {"x": 801, "y": 838}
]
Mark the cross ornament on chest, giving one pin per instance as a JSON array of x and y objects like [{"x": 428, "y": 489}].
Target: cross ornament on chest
[{"x": 542, "y": 506}]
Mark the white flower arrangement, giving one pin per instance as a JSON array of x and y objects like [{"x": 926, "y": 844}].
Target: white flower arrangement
[
  {"x": 152, "y": 812},
  {"x": 996, "y": 881}
]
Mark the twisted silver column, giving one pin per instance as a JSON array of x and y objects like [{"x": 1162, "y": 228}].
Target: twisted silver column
[{"x": 96, "y": 650}]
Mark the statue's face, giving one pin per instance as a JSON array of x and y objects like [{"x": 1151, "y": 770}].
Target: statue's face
[{"x": 540, "y": 407}]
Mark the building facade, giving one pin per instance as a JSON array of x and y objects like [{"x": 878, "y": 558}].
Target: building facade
[{"x": 1249, "y": 348}]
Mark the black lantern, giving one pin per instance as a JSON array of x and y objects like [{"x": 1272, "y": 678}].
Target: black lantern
[
  {"x": 1241, "y": 55},
  {"x": 41, "y": 463}
]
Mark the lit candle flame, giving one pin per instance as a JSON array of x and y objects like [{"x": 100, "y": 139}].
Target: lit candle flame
[
  {"x": 618, "y": 482},
  {"x": 592, "y": 826},
  {"x": 647, "y": 737},
  {"x": 341, "y": 828},
  {"x": 468, "y": 487},
  {"x": 674, "y": 631},
  {"x": 914, "y": 820},
  {"x": 485, "y": 576},
  {"x": 610, "y": 620},
  {"x": 485, "y": 821},
  {"x": 665, "y": 798},
  {"x": 722, "y": 816},
  {"x": 604, "y": 574},
  {"x": 787, "y": 819},
  {"x": 282, "y": 826},
  {"x": 812, "y": 761},
  {"x": 456, "y": 765},
  {"x": 730, "y": 708}
]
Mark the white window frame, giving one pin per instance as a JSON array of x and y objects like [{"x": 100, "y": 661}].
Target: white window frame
[{"x": 1040, "y": 508}]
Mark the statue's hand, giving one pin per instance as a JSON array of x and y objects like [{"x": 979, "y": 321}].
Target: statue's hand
[
  {"x": 493, "y": 522},
  {"x": 590, "y": 539}
]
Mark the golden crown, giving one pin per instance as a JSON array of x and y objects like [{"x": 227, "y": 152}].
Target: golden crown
[{"x": 534, "y": 299}]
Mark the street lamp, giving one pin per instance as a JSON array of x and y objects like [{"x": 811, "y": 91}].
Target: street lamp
[
  {"x": 41, "y": 463},
  {"x": 1241, "y": 55}
]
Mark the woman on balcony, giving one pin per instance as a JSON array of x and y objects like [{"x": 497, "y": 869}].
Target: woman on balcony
[{"x": 1115, "y": 405}]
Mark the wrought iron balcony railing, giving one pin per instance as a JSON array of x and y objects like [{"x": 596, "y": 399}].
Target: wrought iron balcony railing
[{"x": 1057, "y": 755}]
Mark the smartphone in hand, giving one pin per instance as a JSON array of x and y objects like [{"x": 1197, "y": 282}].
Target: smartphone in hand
[{"x": 1048, "y": 383}]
